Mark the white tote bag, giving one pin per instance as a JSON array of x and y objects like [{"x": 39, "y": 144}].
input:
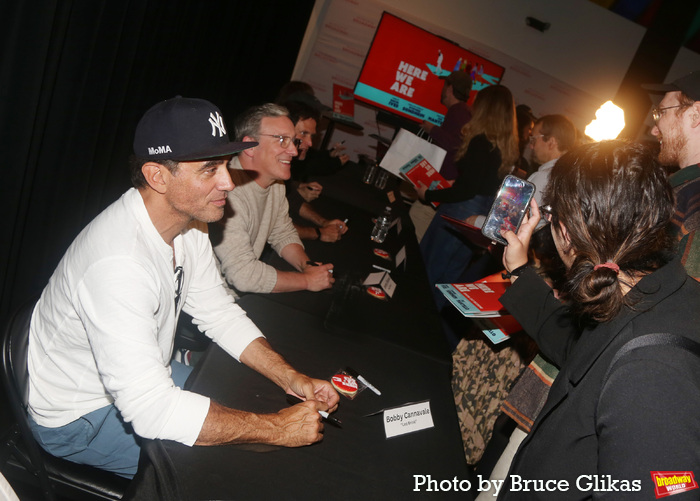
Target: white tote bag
[{"x": 405, "y": 147}]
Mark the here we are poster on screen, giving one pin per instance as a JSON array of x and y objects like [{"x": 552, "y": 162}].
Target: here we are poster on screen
[{"x": 402, "y": 70}]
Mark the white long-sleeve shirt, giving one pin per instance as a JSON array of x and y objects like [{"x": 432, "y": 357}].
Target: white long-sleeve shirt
[{"x": 104, "y": 327}]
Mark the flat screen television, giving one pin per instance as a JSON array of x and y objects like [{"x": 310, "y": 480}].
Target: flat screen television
[{"x": 401, "y": 72}]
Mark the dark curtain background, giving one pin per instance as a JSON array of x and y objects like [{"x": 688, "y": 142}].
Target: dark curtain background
[{"x": 75, "y": 77}]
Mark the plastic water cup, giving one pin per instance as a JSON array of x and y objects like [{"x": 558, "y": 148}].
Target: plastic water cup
[
  {"x": 381, "y": 179},
  {"x": 370, "y": 172}
]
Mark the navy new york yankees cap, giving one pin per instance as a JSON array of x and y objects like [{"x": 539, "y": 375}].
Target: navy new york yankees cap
[{"x": 184, "y": 129}]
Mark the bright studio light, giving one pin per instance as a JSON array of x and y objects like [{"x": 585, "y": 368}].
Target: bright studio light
[{"x": 609, "y": 122}]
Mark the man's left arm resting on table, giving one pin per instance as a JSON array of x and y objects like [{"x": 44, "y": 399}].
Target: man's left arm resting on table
[
  {"x": 308, "y": 213},
  {"x": 260, "y": 356},
  {"x": 285, "y": 240},
  {"x": 227, "y": 324},
  {"x": 294, "y": 426},
  {"x": 328, "y": 230}
]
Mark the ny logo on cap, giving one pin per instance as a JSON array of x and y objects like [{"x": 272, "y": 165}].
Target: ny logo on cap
[{"x": 217, "y": 122}]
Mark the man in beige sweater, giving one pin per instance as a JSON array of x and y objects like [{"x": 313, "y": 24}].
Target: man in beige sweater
[{"x": 258, "y": 212}]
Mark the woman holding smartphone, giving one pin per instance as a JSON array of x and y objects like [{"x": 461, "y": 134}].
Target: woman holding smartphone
[
  {"x": 624, "y": 333},
  {"x": 488, "y": 152}
]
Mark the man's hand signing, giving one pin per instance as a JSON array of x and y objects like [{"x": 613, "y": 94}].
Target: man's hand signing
[
  {"x": 310, "y": 191},
  {"x": 318, "y": 276},
  {"x": 332, "y": 230}
]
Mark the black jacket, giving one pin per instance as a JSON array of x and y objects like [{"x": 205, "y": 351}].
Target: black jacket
[{"x": 647, "y": 418}]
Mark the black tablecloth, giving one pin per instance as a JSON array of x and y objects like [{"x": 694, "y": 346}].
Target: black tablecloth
[
  {"x": 346, "y": 186},
  {"x": 398, "y": 344},
  {"x": 409, "y": 318},
  {"x": 354, "y": 462}
]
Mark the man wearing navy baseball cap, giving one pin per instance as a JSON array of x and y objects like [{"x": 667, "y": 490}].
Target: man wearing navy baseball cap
[
  {"x": 677, "y": 127},
  {"x": 101, "y": 336}
]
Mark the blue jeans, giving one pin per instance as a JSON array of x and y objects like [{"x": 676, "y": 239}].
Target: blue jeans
[
  {"x": 444, "y": 252},
  {"x": 100, "y": 438}
]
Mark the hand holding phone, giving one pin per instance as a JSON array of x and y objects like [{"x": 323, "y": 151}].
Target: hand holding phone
[{"x": 509, "y": 208}]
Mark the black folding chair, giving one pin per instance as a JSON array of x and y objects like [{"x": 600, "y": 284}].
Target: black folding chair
[{"x": 22, "y": 457}]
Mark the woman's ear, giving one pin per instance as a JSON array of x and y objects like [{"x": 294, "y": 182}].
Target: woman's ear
[
  {"x": 569, "y": 250},
  {"x": 564, "y": 233}
]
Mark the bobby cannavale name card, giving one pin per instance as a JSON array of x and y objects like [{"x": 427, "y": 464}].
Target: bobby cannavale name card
[{"x": 407, "y": 419}]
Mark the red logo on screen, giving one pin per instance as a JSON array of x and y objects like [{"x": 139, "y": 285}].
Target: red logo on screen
[{"x": 667, "y": 483}]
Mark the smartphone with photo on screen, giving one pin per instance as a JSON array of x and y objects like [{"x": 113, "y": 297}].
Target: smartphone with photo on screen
[{"x": 508, "y": 209}]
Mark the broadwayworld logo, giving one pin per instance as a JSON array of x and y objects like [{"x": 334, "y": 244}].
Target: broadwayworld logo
[{"x": 667, "y": 483}]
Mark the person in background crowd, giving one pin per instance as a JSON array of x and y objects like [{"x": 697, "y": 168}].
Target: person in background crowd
[
  {"x": 623, "y": 332},
  {"x": 488, "y": 152},
  {"x": 526, "y": 122},
  {"x": 259, "y": 211},
  {"x": 448, "y": 136},
  {"x": 300, "y": 194},
  {"x": 316, "y": 162},
  {"x": 677, "y": 126},
  {"x": 552, "y": 136}
]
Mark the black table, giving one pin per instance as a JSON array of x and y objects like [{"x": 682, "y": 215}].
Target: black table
[
  {"x": 346, "y": 186},
  {"x": 409, "y": 318},
  {"x": 355, "y": 462}
]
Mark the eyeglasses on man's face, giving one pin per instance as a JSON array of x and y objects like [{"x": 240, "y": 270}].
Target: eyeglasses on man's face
[
  {"x": 284, "y": 141},
  {"x": 533, "y": 139},
  {"x": 657, "y": 113}
]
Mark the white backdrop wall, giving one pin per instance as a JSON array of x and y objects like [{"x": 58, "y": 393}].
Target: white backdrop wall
[{"x": 571, "y": 68}]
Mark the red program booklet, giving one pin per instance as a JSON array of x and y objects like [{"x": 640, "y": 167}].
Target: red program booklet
[
  {"x": 479, "y": 299},
  {"x": 419, "y": 171}
]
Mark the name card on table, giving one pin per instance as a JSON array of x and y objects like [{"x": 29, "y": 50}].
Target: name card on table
[
  {"x": 401, "y": 256},
  {"x": 407, "y": 419},
  {"x": 383, "y": 280}
]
